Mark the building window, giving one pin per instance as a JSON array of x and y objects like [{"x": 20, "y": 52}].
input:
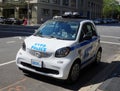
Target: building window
[
  {"x": 89, "y": 4},
  {"x": 6, "y": 1},
  {"x": 16, "y": 0},
  {"x": 82, "y": 2},
  {"x": 10, "y": 0},
  {"x": 56, "y": 1},
  {"x": 46, "y": 1},
  {"x": 46, "y": 12},
  {"x": 73, "y": 3},
  {"x": 65, "y": 2},
  {"x": 55, "y": 12}
]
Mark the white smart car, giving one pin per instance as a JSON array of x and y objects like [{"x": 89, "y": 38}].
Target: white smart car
[{"x": 60, "y": 48}]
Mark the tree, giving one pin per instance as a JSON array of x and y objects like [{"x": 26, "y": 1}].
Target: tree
[{"x": 110, "y": 8}]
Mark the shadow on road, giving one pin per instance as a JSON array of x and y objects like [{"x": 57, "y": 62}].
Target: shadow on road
[
  {"x": 14, "y": 34},
  {"x": 12, "y": 30},
  {"x": 89, "y": 76}
]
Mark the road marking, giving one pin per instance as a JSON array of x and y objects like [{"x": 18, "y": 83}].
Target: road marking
[
  {"x": 110, "y": 36},
  {"x": 20, "y": 37},
  {"x": 18, "y": 82},
  {"x": 17, "y": 37},
  {"x": 107, "y": 42},
  {"x": 3, "y": 64},
  {"x": 17, "y": 88},
  {"x": 9, "y": 42}
]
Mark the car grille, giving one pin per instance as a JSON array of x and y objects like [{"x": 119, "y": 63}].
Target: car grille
[
  {"x": 44, "y": 70},
  {"x": 39, "y": 54}
]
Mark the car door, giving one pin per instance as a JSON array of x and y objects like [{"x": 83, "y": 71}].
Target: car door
[
  {"x": 95, "y": 39},
  {"x": 85, "y": 40}
]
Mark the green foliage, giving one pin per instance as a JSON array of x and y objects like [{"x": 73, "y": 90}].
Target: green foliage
[{"x": 110, "y": 8}]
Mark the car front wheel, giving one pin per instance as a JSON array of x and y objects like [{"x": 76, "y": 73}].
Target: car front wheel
[{"x": 74, "y": 72}]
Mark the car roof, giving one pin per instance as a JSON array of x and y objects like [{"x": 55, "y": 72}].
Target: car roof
[{"x": 71, "y": 19}]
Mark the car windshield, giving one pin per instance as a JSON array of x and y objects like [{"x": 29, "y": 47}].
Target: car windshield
[{"x": 65, "y": 30}]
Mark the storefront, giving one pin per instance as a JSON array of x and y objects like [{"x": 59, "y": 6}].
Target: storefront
[{"x": 37, "y": 11}]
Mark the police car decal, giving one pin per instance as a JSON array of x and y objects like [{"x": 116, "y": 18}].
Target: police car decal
[
  {"x": 87, "y": 51},
  {"x": 83, "y": 43},
  {"x": 39, "y": 47}
]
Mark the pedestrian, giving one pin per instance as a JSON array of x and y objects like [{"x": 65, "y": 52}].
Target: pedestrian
[
  {"x": 41, "y": 20},
  {"x": 25, "y": 21}
]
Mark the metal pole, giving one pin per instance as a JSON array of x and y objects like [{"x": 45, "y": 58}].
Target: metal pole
[
  {"x": 90, "y": 10},
  {"x": 28, "y": 15}
]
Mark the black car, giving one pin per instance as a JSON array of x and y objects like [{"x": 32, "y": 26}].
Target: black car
[
  {"x": 98, "y": 21},
  {"x": 2, "y": 20},
  {"x": 13, "y": 21}
]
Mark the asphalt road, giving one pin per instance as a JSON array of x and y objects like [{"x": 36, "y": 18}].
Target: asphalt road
[{"x": 12, "y": 79}]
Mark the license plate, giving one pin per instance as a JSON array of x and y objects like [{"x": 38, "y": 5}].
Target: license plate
[{"x": 36, "y": 63}]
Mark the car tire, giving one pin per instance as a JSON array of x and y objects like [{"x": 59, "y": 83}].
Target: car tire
[
  {"x": 98, "y": 57},
  {"x": 74, "y": 73}
]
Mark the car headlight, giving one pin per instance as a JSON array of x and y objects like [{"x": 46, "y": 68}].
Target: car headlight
[
  {"x": 24, "y": 46},
  {"x": 62, "y": 52}
]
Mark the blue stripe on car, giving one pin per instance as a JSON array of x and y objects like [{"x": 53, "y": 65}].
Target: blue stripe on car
[
  {"x": 83, "y": 43},
  {"x": 88, "y": 60}
]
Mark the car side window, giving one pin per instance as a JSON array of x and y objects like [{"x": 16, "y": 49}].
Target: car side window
[
  {"x": 86, "y": 28},
  {"x": 92, "y": 29}
]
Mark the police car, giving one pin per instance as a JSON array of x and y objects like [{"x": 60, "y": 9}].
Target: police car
[{"x": 60, "y": 48}]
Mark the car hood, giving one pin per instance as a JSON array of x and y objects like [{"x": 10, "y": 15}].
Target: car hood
[{"x": 46, "y": 44}]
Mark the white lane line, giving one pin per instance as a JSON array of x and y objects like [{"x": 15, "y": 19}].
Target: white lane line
[
  {"x": 107, "y": 42},
  {"x": 3, "y": 64},
  {"x": 14, "y": 84},
  {"x": 110, "y": 36},
  {"x": 9, "y": 42},
  {"x": 19, "y": 37}
]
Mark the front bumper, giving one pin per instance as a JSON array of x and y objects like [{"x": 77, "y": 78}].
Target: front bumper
[{"x": 53, "y": 67}]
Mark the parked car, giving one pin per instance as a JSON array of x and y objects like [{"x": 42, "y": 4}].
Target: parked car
[
  {"x": 98, "y": 21},
  {"x": 113, "y": 20},
  {"x": 105, "y": 21},
  {"x": 13, "y": 21},
  {"x": 60, "y": 48},
  {"x": 109, "y": 20},
  {"x": 2, "y": 20},
  {"x": 18, "y": 22}
]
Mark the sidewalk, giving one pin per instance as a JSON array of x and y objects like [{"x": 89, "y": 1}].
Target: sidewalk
[
  {"x": 108, "y": 79},
  {"x": 112, "y": 84},
  {"x": 113, "y": 80}
]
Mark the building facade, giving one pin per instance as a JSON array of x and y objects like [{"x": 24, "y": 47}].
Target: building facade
[
  {"x": 118, "y": 1},
  {"x": 38, "y": 11}
]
